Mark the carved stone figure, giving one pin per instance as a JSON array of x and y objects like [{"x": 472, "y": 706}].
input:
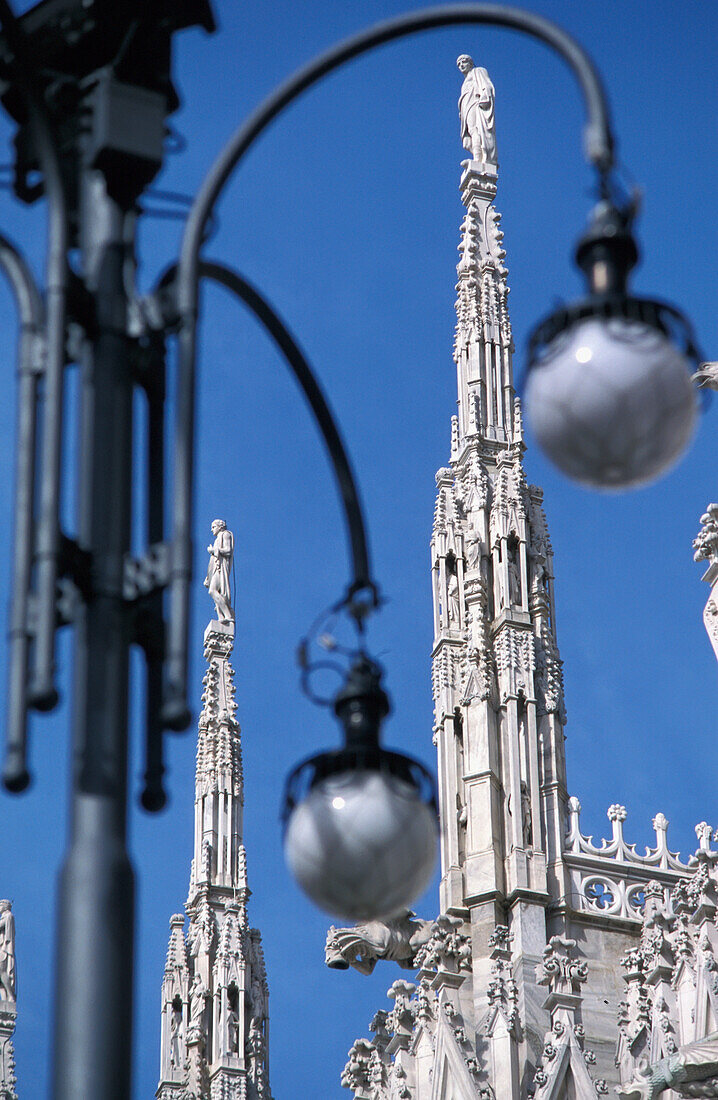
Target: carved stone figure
[
  {"x": 707, "y": 376},
  {"x": 514, "y": 583},
  {"x": 175, "y": 1030},
  {"x": 254, "y": 1049},
  {"x": 397, "y": 940},
  {"x": 473, "y": 549},
  {"x": 476, "y": 108},
  {"x": 198, "y": 995},
  {"x": 526, "y": 823},
  {"x": 259, "y": 1004},
  {"x": 8, "y": 991},
  {"x": 233, "y": 1031},
  {"x": 220, "y": 563},
  {"x": 452, "y": 599},
  {"x": 691, "y": 1071}
]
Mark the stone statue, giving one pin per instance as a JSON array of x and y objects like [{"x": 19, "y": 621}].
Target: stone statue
[
  {"x": 691, "y": 1071},
  {"x": 452, "y": 599},
  {"x": 254, "y": 1050},
  {"x": 198, "y": 995},
  {"x": 476, "y": 108},
  {"x": 526, "y": 823},
  {"x": 514, "y": 583},
  {"x": 259, "y": 1001},
  {"x": 233, "y": 1031},
  {"x": 397, "y": 940},
  {"x": 220, "y": 562},
  {"x": 8, "y": 990},
  {"x": 175, "y": 1029},
  {"x": 473, "y": 549}
]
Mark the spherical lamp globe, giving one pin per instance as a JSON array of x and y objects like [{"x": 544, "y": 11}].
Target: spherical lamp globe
[
  {"x": 611, "y": 402},
  {"x": 362, "y": 844}
]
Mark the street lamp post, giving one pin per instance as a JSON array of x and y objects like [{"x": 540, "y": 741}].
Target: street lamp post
[{"x": 90, "y": 88}]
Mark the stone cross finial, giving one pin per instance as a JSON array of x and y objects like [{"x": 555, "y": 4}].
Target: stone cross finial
[{"x": 221, "y": 553}]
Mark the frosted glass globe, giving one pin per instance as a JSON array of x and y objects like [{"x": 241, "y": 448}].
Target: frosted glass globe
[
  {"x": 611, "y": 402},
  {"x": 362, "y": 844}
]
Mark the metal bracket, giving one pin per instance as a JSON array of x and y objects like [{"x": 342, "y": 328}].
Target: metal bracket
[
  {"x": 75, "y": 567},
  {"x": 148, "y": 574}
]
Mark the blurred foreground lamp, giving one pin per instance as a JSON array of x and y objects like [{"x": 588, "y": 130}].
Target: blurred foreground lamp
[
  {"x": 608, "y": 391},
  {"x": 361, "y": 824}
]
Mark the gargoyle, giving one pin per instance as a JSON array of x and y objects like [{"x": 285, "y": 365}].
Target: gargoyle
[
  {"x": 397, "y": 940},
  {"x": 691, "y": 1071}
]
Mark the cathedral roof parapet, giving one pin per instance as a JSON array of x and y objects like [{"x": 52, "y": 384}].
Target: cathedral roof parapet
[
  {"x": 612, "y": 880},
  {"x": 617, "y": 849}
]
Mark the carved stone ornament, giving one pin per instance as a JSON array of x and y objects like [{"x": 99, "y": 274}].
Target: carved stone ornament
[
  {"x": 476, "y": 109},
  {"x": 447, "y": 947},
  {"x": 707, "y": 376},
  {"x": 8, "y": 989},
  {"x": 705, "y": 544},
  {"x": 691, "y": 1071},
  {"x": 396, "y": 940},
  {"x": 221, "y": 553},
  {"x": 560, "y": 971}
]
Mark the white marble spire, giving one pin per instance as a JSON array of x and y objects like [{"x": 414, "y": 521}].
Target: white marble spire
[
  {"x": 214, "y": 994},
  {"x": 497, "y": 675},
  {"x": 8, "y": 1001},
  {"x": 518, "y": 978}
]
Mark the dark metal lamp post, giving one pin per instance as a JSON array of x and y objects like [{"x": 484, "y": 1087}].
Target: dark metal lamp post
[{"x": 89, "y": 84}]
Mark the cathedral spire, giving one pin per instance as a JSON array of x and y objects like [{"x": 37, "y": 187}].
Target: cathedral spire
[
  {"x": 519, "y": 976},
  {"x": 8, "y": 1001},
  {"x": 214, "y": 994},
  {"x": 483, "y": 344},
  {"x": 497, "y": 674}
]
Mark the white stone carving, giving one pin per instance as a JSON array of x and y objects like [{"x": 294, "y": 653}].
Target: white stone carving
[
  {"x": 8, "y": 990},
  {"x": 215, "y": 1005},
  {"x": 707, "y": 376},
  {"x": 481, "y": 1018},
  {"x": 221, "y": 554},
  {"x": 610, "y": 879},
  {"x": 669, "y": 1019},
  {"x": 705, "y": 547},
  {"x": 396, "y": 940},
  {"x": 8, "y": 1001},
  {"x": 447, "y": 947},
  {"x": 476, "y": 108},
  {"x": 425, "y": 1036},
  {"x": 617, "y": 848}
]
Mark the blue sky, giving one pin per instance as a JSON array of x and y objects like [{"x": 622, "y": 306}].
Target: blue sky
[{"x": 346, "y": 215}]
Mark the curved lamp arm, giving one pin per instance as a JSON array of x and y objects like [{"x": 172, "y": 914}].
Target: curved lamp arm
[
  {"x": 306, "y": 379},
  {"x": 326, "y": 423},
  {"x": 599, "y": 149}
]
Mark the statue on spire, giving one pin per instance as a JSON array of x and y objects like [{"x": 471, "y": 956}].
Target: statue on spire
[
  {"x": 476, "y": 108},
  {"x": 221, "y": 553},
  {"x": 7, "y": 952}
]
